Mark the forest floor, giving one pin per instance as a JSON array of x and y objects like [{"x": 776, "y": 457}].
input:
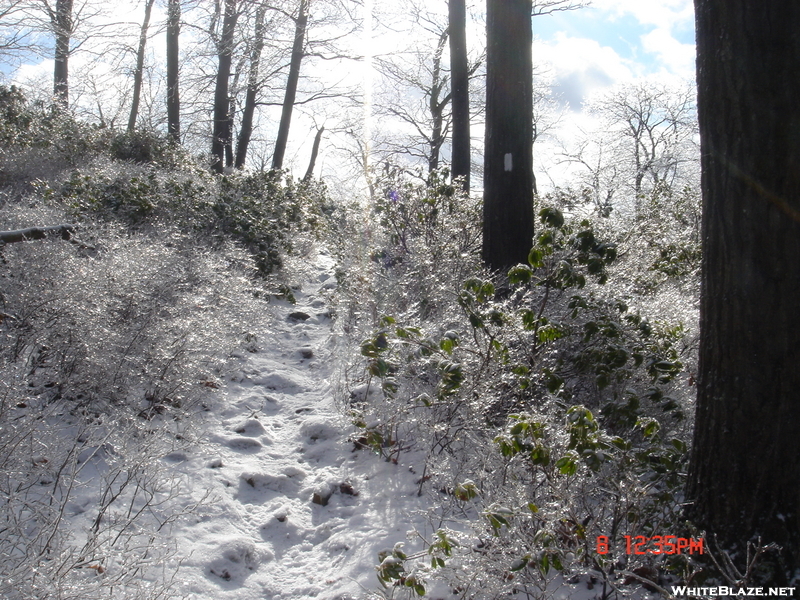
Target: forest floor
[{"x": 291, "y": 509}]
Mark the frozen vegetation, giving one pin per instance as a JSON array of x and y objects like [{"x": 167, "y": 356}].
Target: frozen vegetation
[{"x": 234, "y": 387}]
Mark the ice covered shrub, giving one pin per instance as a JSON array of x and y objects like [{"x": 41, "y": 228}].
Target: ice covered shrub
[
  {"x": 407, "y": 252},
  {"x": 142, "y": 146},
  {"x": 263, "y": 212},
  {"x": 139, "y": 321},
  {"x": 108, "y": 347},
  {"x": 86, "y": 505},
  {"x": 39, "y": 142},
  {"x": 539, "y": 419}
]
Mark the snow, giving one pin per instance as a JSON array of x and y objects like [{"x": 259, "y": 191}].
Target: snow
[
  {"x": 291, "y": 510},
  {"x": 277, "y": 501}
]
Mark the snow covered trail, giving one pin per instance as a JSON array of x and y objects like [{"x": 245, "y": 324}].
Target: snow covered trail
[{"x": 293, "y": 511}]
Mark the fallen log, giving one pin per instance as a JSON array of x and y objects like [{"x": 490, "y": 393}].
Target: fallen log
[{"x": 37, "y": 233}]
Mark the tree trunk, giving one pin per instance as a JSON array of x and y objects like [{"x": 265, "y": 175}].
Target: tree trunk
[
  {"x": 508, "y": 156},
  {"x": 173, "y": 97},
  {"x": 314, "y": 152},
  {"x": 246, "y": 129},
  {"x": 459, "y": 90},
  {"x": 745, "y": 461},
  {"x": 291, "y": 86},
  {"x": 229, "y": 158},
  {"x": 62, "y": 29},
  {"x": 139, "y": 72},
  {"x": 436, "y": 105},
  {"x": 222, "y": 117}
]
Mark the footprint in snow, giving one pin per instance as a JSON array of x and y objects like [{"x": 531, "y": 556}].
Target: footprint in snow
[
  {"x": 250, "y": 428},
  {"x": 237, "y": 560},
  {"x": 244, "y": 444}
]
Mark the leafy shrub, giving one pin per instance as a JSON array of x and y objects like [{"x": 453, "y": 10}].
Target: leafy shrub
[
  {"x": 257, "y": 210},
  {"x": 141, "y": 146},
  {"x": 540, "y": 418},
  {"x": 15, "y": 116}
]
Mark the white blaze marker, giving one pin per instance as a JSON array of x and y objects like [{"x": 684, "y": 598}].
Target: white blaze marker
[{"x": 508, "y": 163}]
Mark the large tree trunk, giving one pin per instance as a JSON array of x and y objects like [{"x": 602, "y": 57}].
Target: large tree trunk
[
  {"x": 61, "y": 21},
  {"x": 744, "y": 477},
  {"x": 291, "y": 86},
  {"x": 508, "y": 157},
  {"x": 139, "y": 72},
  {"x": 459, "y": 89},
  {"x": 173, "y": 97},
  {"x": 222, "y": 117},
  {"x": 246, "y": 129}
]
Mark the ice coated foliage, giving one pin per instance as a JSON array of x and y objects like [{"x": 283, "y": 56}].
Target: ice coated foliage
[
  {"x": 542, "y": 408},
  {"x": 110, "y": 344}
]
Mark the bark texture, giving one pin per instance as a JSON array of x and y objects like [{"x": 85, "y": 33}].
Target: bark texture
[
  {"x": 508, "y": 156},
  {"x": 37, "y": 233},
  {"x": 246, "y": 128},
  {"x": 459, "y": 86},
  {"x": 291, "y": 85},
  {"x": 222, "y": 118},
  {"x": 173, "y": 96},
  {"x": 61, "y": 21},
  {"x": 314, "y": 152},
  {"x": 744, "y": 477},
  {"x": 139, "y": 72}
]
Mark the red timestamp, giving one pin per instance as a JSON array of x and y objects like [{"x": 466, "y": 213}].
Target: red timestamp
[{"x": 658, "y": 544}]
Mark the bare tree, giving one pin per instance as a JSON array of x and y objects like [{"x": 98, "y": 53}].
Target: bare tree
[
  {"x": 173, "y": 90},
  {"x": 14, "y": 31},
  {"x": 653, "y": 147},
  {"x": 301, "y": 20},
  {"x": 657, "y": 122},
  {"x": 459, "y": 70},
  {"x": 62, "y": 25},
  {"x": 253, "y": 86},
  {"x": 223, "y": 127},
  {"x": 138, "y": 73},
  {"x": 314, "y": 152},
  {"x": 417, "y": 92}
]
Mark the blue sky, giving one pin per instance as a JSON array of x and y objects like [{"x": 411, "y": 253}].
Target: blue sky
[{"x": 615, "y": 41}]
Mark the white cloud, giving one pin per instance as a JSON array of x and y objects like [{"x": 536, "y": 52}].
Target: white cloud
[
  {"x": 581, "y": 67},
  {"x": 667, "y": 17},
  {"x": 677, "y": 58},
  {"x": 660, "y": 13}
]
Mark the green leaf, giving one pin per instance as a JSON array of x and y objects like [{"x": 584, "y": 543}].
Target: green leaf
[
  {"x": 447, "y": 345},
  {"x": 535, "y": 259},
  {"x": 519, "y": 564},
  {"x": 465, "y": 491},
  {"x": 551, "y": 216},
  {"x": 552, "y": 381},
  {"x": 540, "y": 455},
  {"x": 567, "y": 464},
  {"x": 520, "y": 274},
  {"x": 544, "y": 565},
  {"x": 649, "y": 427}
]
